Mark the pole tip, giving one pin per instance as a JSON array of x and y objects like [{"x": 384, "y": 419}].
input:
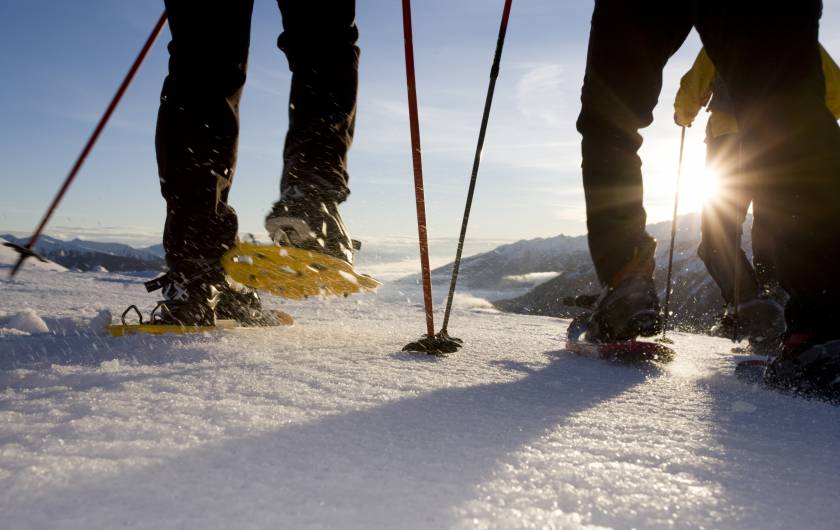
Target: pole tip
[{"x": 440, "y": 344}]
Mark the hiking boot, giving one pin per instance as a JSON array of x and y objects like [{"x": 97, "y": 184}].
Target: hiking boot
[
  {"x": 310, "y": 222},
  {"x": 628, "y": 307},
  {"x": 188, "y": 300},
  {"x": 808, "y": 365},
  {"x": 761, "y": 319},
  {"x": 725, "y": 327},
  {"x": 626, "y": 312}
]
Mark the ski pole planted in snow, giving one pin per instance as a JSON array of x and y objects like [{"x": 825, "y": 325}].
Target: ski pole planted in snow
[
  {"x": 488, "y": 102},
  {"x": 28, "y": 251},
  {"x": 673, "y": 238},
  {"x": 429, "y": 343}
]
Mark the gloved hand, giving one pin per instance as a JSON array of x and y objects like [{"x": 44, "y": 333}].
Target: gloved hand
[{"x": 682, "y": 120}]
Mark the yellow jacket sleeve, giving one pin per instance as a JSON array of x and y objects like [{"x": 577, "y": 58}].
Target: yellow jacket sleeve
[
  {"x": 832, "y": 83},
  {"x": 695, "y": 89}
]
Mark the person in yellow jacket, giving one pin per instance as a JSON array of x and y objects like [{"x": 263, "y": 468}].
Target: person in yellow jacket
[{"x": 758, "y": 305}]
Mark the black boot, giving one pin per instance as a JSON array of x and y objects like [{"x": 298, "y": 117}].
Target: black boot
[
  {"x": 188, "y": 300},
  {"x": 310, "y": 222},
  {"x": 628, "y": 307},
  {"x": 625, "y": 312},
  {"x": 807, "y": 364}
]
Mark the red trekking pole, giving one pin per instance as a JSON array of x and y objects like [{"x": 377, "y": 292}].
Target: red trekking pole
[
  {"x": 27, "y": 251},
  {"x": 429, "y": 343}
]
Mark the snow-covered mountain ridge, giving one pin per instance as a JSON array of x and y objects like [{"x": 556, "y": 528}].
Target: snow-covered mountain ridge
[{"x": 89, "y": 255}]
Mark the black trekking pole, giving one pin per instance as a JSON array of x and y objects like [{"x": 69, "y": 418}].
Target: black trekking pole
[
  {"x": 736, "y": 270},
  {"x": 488, "y": 102},
  {"x": 28, "y": 251},
  {"x": 673, "y": 239}
]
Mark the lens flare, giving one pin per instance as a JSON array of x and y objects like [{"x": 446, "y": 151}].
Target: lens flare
[{"x": 698, "y": 185}]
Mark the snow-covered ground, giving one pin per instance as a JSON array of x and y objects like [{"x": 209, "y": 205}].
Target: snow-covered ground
[{"x": 327, "y": 424}]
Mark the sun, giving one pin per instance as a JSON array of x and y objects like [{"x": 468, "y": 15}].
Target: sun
[{"x": 699, "y": 184}]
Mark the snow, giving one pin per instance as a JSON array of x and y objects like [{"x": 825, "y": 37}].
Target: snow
[
  {"x": 327, "y": 424},
  {"x": 27, "y": 322}
]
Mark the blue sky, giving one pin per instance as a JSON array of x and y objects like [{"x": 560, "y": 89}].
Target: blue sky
[{"x": 63, "y": 60}]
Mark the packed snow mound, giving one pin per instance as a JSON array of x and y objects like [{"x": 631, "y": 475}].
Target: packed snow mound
[
  {"x": 9, "y": 257},
  {"x": 26, "y": 322}
]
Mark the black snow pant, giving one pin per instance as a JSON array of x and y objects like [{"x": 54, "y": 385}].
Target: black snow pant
[
  {"x": 722, "y": 223},
  {"x": 198, "y": 120},
  {"x": 767, "y": 54}
]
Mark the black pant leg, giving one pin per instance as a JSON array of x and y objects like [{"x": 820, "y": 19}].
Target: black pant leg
[
  {"x": 198, "y": 127},
  {"x": 629, "y": 44},
  {"x": 764, "y": 249},
  {"x": 722, "y": 221},
  {"x": 319, "y": 40},
  {"x": 767, "y": 53}
]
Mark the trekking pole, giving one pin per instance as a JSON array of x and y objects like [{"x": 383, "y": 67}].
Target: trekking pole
[
  {"x": 736, "y": 272},
  {"x": 27, "y": 250},
  {"x": 488, "y": 102},
  {"x": 428, "y": 343},
  {"x": 673, "y": 237}
]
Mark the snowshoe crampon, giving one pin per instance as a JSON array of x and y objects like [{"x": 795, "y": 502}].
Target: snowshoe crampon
[
  {"x": 630, "y": 351},
  {"x": 293, "y": 272}
]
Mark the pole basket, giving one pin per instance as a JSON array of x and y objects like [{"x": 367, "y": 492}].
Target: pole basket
[
  {"x": 440, "y": 344},
  {"x": 24, "y": 253}
]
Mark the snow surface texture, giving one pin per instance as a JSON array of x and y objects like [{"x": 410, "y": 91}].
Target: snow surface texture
[{"x": 327, "y": 424}]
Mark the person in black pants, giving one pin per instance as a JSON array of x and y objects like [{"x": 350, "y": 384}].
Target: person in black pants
[
  {"x": 768, "y": 55},
  {"x": 197, "y": 134}
]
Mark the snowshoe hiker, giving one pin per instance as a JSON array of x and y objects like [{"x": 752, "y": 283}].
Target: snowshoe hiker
[
  {"x": 198, "y": 129},
  {"x": 760, "y": 310},
  {"x": 778, "y": 101}
]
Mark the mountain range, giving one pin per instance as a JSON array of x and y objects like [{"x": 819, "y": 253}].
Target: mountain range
[
  {"x": 560, "y": 267},
  {"x": 93, "y": 255}
]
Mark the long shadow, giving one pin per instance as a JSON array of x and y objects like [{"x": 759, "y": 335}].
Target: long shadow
[
  {"x": 403, "y": 464},
  {"x": 780, "y": 456}
]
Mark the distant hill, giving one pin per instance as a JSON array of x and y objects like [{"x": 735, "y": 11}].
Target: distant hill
[
  {"x": 90, "y": 255},
  {"x": 9, "y": 257},
  {"x": 515, "y": 263},
  {"x": 560, "y": 267}
]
